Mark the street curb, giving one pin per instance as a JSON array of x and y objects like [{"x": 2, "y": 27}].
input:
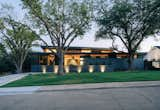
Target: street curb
[
  {"x": 40, "y": 91},
  {"x": 114, "y": 85}
]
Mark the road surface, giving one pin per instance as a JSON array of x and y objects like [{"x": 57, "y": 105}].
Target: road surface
[{"x": 131, "y": 98}]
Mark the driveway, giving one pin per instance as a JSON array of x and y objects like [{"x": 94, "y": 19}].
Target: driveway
[
  {"x": 128, "y": 98},
  {"x": 9, "y": 78}
]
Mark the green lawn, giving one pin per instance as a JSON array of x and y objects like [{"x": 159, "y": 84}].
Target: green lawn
[{"x": 75, "y": 78}]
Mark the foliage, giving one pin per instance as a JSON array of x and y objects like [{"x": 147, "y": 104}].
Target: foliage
[
  {"x": 131, "y": 21},
  {"x": 17, "y": 39},
  {"x": 61, "y": 20},
  {"x": 2, "y": 50},
  {"x": 5, "y": 62}
]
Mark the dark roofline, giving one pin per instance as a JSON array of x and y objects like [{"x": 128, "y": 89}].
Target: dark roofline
[
  {"x": 68, "y": 53},
  {"x": 43, "y": 53},
  {"x": 74, "y": 47},
  {"x": 157, "y": 47},
  {"x": 39, "y": 53}
]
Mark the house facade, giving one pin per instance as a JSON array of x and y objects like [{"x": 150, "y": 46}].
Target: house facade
[{"x": 80, "y": 59}]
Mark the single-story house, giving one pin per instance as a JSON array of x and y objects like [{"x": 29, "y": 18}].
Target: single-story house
[{"x": 82, "y": 59}]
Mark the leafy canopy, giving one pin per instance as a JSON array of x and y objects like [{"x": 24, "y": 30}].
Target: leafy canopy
[
  {"x": 17, "y": 39},
  {"x": 16, "y": 36},
  {"x": 61, "y": 20},
  {"x": 131, "y": 21}
]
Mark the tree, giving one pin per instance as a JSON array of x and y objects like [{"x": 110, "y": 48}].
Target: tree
[
  {"x": 2, "y": 50},
  {"x": 6, "y": 64},
  {"x": 131, "y": 21},
  {"x": 17, "y": 39},
  {"x": 62, "y": 20}
]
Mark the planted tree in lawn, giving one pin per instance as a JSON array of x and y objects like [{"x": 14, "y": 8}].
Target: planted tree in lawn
[
  {"x": 17, "y": 40},
  {"x": 62, "y": 20},
  {"x": 131, "y": 21}
]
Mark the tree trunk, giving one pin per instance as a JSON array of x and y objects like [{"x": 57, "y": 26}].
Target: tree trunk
[
  {"x": 19, "y": 69},
  {"x": 60, "y": 62},
  {"x": 130, "y": 61}
]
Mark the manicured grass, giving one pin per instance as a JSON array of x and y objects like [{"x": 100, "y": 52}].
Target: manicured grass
[{"x": 75, "y": 78}]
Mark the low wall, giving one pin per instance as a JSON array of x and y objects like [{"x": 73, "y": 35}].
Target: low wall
[{"x": 110, "y": 65}]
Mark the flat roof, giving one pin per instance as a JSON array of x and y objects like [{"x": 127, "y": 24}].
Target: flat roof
[
  {"x": 78, "y": 48},
  {"x": 158, "y": 47}
]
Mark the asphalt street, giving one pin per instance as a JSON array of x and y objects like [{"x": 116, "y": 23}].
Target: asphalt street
[{"x": 132, "y": 98}]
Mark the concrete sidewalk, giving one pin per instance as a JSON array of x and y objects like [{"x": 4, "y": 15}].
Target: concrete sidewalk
[
  {"x": 52, "y": 88},
  {"x": 9, "y": 78},
  {"x": 18, "y": 90}
]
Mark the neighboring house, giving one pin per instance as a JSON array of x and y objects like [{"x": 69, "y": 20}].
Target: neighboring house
[
  {"x": 82, "y": 59},
  {"x": 152, "y": 59}
]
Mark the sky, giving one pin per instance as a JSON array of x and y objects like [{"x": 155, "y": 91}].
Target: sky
[{"x": 88, "y": 40}]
